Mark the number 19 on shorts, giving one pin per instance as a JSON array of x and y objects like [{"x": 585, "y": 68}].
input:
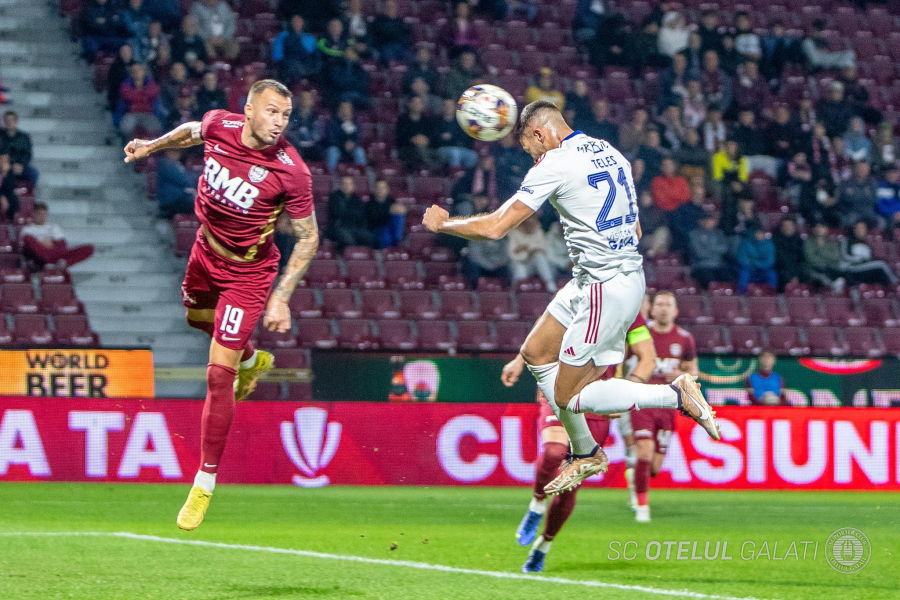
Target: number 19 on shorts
[{"x": 231, "y": 320}]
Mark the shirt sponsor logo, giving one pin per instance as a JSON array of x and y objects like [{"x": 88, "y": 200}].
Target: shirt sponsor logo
[
  {"x": 232, "y": 124},
  {"x": 284, "y": 158},
  {"x": 526, "y": 189},
  {"x": 257, "y": 173},
  {"x": 235, "y": 189}
]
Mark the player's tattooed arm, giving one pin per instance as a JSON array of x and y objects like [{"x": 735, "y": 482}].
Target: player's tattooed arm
[
  {"x": 490, "y": 226},
  {"x": 306, "y": 232},
  {"x": 183, "y": 136}
]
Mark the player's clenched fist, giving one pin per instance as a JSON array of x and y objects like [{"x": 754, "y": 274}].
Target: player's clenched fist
[
  {"x": 136, "y": 149},
  {"x": 511, "y": 371},
  {"x": 435, "y": 217},
  {"x": 277, "y": 317}
]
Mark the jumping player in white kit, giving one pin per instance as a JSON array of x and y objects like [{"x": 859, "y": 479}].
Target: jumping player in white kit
[{"x": 583, "y": 329}]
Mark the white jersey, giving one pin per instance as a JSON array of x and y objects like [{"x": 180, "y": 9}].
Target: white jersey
[{"x": 589, "y": 183}]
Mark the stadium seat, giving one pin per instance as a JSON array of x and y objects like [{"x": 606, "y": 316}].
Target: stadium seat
[
  {"x": 396, "y": 254},
  {"x": 435, "y": 272},
  {"x": 418, "y": 241},
  {"x": 303, "y": 304},
  {"x": 785, "y": 339},
  {"x": 891, "y": 339},
  {"x": 274, "y": 339},
  {"x": 711, "y": 338},
  {"x": 766, "y": 310},
  {"x": 315, "y": 333},
  {"x": 54, "y": 276},
  {"x": 358, "y": 253},
  {"x": 533, "y": 304},
  {"x": 476, "y": 336},
  {"x": 59, "y": 299},
  {"x": 18, "y": 298},
  {"x": 825, "y": 341},
  {"x": 805, "y": 311},
  {"x": 403, "y": 275},
  {"x": 396, "y": 335},
  {"x": 497, "y": 305},
  {"x": 325, "y": 273},
  {"x": 435, "y": 335},
  {"x": 840, "y": 312},
  {"x": 379, "y": 304},
  {"x": 74, "y": 330},
  {"x": 511, "y": 335},
  {"x": 490, "y": 284},
  {"x": 729, "y": 310},
  {"x": 746, "y": 339},
  {"x": 6, "y": 336},
  {"x": 364, "y": 274},
  {"x": 294, "y": 359},
  {"x": 459, "y": 305},
  {"x": 340, "y": 303},
  {"x": 356, "y": 334},
  {"x": 14, "y": 276},
  {"x": 32, "y": 330},
  {"x": 881, "y": 312},
  {"x": 418, "y": 304},
  {"x": 863, "y": 341},
  {"x": 693, "y": 309},
  {"x": 722, "y": 288}
]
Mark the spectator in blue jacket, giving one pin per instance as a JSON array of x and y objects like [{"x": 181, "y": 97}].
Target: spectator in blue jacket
[
  {"x": 889, "y": 196},
  {"x": 755, "y": 257},
  {"x": 175, "y": 185},
  {"x": 295, "y": 54},
  {"x": 342, "y": 138}
]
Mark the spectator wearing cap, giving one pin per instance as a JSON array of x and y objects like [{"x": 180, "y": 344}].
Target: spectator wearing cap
[
  {"x": 17, "y": 144},
  {"x": 599, "y": 126},
  {"x": 578, "y": 105},
  {"x": 342, "y": 138},
  {"x": 175, "y": 185},
  {"x": 9, "y": 201},
  {"x": 715, "y": 83},
  {"x": 543, "y": 90},
  {"x": 755, "y": 258},
  {"x": 218, "y": 24},
  {"x": 139, "y": 100},
  {"x": 454, "y": 146},
  {"x": 729, "y": 58},
  {"x": 305, "y": 129},
  {"x": 858, "y": 97},
  {"x": 464, "y": 71},
  {"x": 746, "y": 42},
  {"x": 102, "y": 28},
  {"x": 856, "y": 145},
  {"x": 45, "y": 243},
  {"x": 459, "y": 34},
  {"x": 528, "y": 253},
  {"x": 669, "y": 189},
  {"x": 858, "y": 197},
  {"x": 391, "y": 36},
  {"x": 889, "y": 195},
  {"x": 835, "y": 112},
  {"x": 789, "y": 262},
  {"x": 210, "y": 96},
  {"x": 295, "y": 53},
  {"x": 778, "y": 49},
  {"x": 800, "y": 184},
  {"x": 673, "y": 35},
  {"x": 708, "y": 251},
  {"x": 817, "y": 52},
  {"x": 385, "y": 217},
  {"x": 188, "y": 46}
]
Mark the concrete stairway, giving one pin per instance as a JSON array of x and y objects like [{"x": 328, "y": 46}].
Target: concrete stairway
[{"x": 131, "y": 286}]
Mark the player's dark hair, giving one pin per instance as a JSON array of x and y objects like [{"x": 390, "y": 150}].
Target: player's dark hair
[
  {"x": 11, "y": 112},
  {"x": 532, "y": 111},
  {"x": 41, "y": 206},
  {"x": 269, "y": 84}
]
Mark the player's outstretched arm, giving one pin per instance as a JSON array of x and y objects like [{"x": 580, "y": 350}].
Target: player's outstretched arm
[
  {"x": 183, "y": 136},
  {"x": 306, "y": 231},
  {"x": 491, "y": 226}
]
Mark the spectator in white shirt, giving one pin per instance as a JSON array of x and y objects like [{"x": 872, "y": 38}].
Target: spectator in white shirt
[
  {"x": 45, "y": 244},
  {"x": 218, "y": 25},
  {"x": 673, "y": 35},
  {"x": 746, "y": 42},
  {"x": 528, "y": 253}
]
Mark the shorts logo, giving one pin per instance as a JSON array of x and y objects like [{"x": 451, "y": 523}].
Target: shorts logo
[
  {"x": 186, "y": 297},
  {"x": 232, "y": 124},
  {"x": 848, "y": 550},
  {"x": 526, "y": 189},
  {"x": 257, "y": 173},
  {"x": 675, "y": 349},
  {"x": 570, "y": 351},
  {"x": 284, "y": 158}
]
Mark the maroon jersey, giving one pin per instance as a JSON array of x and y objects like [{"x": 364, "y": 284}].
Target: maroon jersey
[
  {"x": 242, "y": 191},
  {"x": 671, "y": 349}
]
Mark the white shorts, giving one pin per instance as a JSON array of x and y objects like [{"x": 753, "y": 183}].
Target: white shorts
[{"x": 597, "y": 317}]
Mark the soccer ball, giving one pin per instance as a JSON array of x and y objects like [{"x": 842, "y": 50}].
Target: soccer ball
[{"x": 486, "y": 112}]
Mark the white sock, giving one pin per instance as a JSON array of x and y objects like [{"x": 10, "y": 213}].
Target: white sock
[
  {"x": 205, "y": 480},
  {"x": 541, "y": 545},
  {"x": 246, "y": 364},
  {"x": 618, "y": 395},
  {"x": 538, "y": 506},
  {"x": 576, "y": 426},
  {"x": 630, "y": 457}
]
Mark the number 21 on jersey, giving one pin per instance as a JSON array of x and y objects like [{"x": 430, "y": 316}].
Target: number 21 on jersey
[{"x": 604, "y": 223}]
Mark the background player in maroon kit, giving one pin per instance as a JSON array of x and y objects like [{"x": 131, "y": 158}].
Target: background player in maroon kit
[
  {"x": 251, "y": 175},
  {"x": 676, "y": 353},
  {"x": 556, "y": 445}
]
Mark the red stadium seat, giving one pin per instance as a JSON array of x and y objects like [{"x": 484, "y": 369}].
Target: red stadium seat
[
  {"x": 364, "y": 274},
  {"x": 325, "y": 273},
  {"x": 805, "y": 311},
  {"x": 315, "y": 333},
  {"x": 711, "y": 338},
  {"x": 435, "y": 272},
  {"x": 511, "y": 335},
  {"x": 722, "y": 288},
  {"x": 418, "y": 304},
  {"x": 729, "y": 310},
  {"x": 825, "y": 341},
  {"x": 497, "y": 305},
  {"x": 380, "y": 304},
  {"x": 32, "y": 330},
  {"x": 533, "y": 304},
  {"x": 396, "y": 254},
  {"x": 396, "y": 335},
  {"x": 419, "y": 241},
  {"x": 59, "y": 299},
  {"x": 274, "y": 339},
  {"x": 490, "y": 284},
  {"x": 693, "y": 309},
  {"x": 340, "y": 304},
  {"x": 746, "y": 339},
  {"x": 403, "y": 275},
  {"x": 891, "y": 340},
  {"x": 358, "y": 253},
  {"x": 356, "y": 334},
  {"x": 476, "y": 336},
  {"x": 303, "y": 304},
  {"x": 6, "y": 336},
  {"x": 74, "y": 330},
  {"x": 785, "y": 339},
  {"x": 18, "y": 298},
  {"x": 435, "y": 335},
  {"x": 863, "y": 341},
  {"x": 459, "y": 305},
  {"x": 881, "y": 312},
  {"x": 840, "y": 312},
  {"x": 766, "y": 311}
]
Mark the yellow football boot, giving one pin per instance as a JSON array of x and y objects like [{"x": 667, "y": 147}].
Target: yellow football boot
[
  {"x": 191, "y": 514},
  {"x": 247, "y": 378}
]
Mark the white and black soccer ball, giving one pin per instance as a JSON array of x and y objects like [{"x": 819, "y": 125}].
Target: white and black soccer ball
[{"x": 486, "y": 112}]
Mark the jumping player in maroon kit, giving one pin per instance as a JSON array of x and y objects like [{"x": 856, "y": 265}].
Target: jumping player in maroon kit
[
  {"x": 251, "y": 175},
  {"x": 556, "y": 446},
  {"x": 676, "y": 354}
]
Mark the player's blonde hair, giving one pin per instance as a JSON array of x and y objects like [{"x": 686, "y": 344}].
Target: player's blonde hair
[
  {"x": 268, "y": 84},
  {"x": 665, "y": 293}
]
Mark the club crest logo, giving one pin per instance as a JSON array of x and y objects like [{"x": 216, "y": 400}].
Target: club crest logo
[
  {"x": 848, "y": 550},
  {"x": 257, "y": 173},
  {"x": 318, "y": 441},
  {"x": 675, "y": 349}
]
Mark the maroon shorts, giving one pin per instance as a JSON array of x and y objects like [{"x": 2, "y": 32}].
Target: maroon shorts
[
  {"x": 598, "y": 424},
  {"x": 654, "y": 424},
  {"x": 237, "y": 291}
]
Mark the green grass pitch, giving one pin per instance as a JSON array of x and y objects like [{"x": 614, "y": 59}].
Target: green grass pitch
[{"x": 462, "y": 528}]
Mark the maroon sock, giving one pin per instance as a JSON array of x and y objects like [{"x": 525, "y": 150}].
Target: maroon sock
[
  {"x": 560, "y": 509},
  {"x": 218, "y": 412},
  {"x": 249, "y": 349},
  {"x": 548, "y": 466},
  {"x": 206, "y": 326},
  {"x": 642, "y": 480}
]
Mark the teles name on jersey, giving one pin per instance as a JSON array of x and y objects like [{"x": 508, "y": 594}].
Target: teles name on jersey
[{"x": 234, "y": 189}]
